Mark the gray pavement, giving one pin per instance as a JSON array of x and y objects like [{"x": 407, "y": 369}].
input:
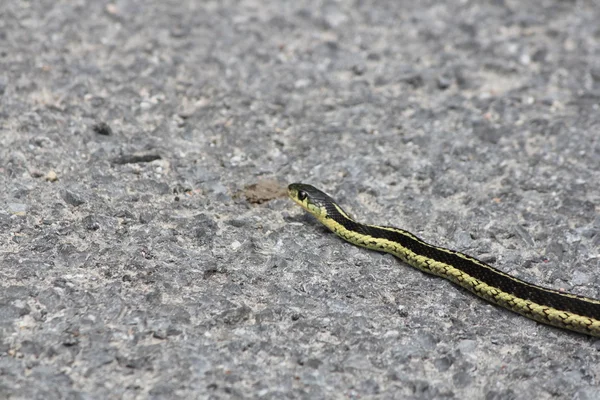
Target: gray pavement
[{"x": 147, "y": 249}]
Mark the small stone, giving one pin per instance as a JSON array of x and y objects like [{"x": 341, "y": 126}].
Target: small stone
[
  {"x": 579, "y": 278},
  {"x": 15, "y": 292},
  {"x": 8, "y": 314},
  {"x": 179, "y": 316},
  {"x": 19, "y": 209},
  {"x": 359, "y": 69},
  {"x": 463, "y": 239},
  {"x": 540, "y": 55},
  {"x": 462, "y": 379},
  {"x": 90, "y": 223},
  {"x": 154, "y": 297},
  {"x": 102, "y": 128},
  {"x": 146, "y": 217},
  {"x": 443, "y": 82},
  {"x": 71, "y": 197},
  {"x": 174, "y": 331},
  {"x": 205, "y": 229},
  {"x": 51, "y": 176},
  {"x": 333, "y": 16},
  {"x": 137, "y": 159},
  {"x": 159, "y": 329},
  {"x": 238, "y": 223},
  {"x": 31, "y": 347},
  {"x": 415, "y": 80},
  {"x": 179, "y": 31},
  {"x": 60, "y": 283},
  {"x": 522, "y": 232},
  {"x": 125, "y": 215},
  {"x": 234, "y": 316},
  {"x": 112, "y": 9},
  {"x": 462, "y": 78},
  {"x": 486, "y": 131},
  {"x": 443, "y": 363},
  {"x": 313, "y": 363}
]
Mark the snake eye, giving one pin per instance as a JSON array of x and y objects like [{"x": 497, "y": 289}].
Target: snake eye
[{"x": 302, "y": 195}]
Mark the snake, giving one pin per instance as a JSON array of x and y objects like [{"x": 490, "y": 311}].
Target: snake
[{"x": 548, "y": 306}]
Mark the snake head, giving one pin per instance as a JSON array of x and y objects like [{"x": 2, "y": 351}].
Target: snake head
[{"x": 310, "y": 198}]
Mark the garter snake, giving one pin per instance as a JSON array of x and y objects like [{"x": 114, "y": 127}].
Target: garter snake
[{"x": 552, "y": 307}]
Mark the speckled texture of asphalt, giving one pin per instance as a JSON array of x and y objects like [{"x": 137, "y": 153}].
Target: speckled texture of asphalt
[{"x": 147, "y": 249}]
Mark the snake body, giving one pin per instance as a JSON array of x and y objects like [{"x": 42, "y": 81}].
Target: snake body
[{"x": 548, "y": 306}]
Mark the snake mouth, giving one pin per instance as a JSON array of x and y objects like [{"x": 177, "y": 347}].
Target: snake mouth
[{"x": 293, "y": 192}]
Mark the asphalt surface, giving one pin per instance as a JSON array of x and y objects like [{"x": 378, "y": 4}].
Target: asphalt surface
[{"x": 147, "y": 249}]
